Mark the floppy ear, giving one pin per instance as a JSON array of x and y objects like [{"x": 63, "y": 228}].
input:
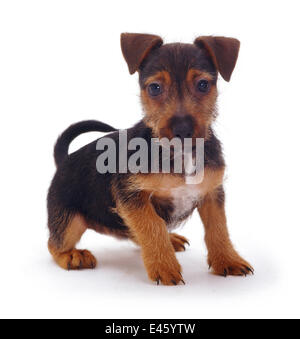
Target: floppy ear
[
  {"x": 223, "y": 51},
  {"x": 135, "y": 47}
]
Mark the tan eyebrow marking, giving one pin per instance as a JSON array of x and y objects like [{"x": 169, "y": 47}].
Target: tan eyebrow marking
[
  {"x": 196, "y": 73},
  {"x": 163, "y": 76}
]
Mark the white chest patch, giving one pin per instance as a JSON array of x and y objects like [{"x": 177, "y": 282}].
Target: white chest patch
[
  {"x": 185, "y": 199},
  {"x": 186, "y": 196}
]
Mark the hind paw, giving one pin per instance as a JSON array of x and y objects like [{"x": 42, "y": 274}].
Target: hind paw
[
  {"x": 76, "y": 260},
  {"x": 179, "y": 242}
]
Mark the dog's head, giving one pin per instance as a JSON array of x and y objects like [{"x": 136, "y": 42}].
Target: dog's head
[{"x": 178, "y": 81}]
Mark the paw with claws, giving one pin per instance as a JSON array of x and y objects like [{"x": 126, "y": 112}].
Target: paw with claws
[
  {"x": 165, "y": 270},
  {"x": 230, "y": 265},
  {"x": 179, "y": 242},
  {"x": 76, "y": 260}
]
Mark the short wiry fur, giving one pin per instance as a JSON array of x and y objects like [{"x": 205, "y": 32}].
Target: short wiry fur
[{"x": 145, "y": 207}]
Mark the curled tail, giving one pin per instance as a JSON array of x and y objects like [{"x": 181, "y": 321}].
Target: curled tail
[{"x": 62, "y": 145}]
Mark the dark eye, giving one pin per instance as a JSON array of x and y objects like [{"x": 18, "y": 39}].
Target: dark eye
[
  {"x": 154, "y": 89},
  {"x": 203, "y": 85}
]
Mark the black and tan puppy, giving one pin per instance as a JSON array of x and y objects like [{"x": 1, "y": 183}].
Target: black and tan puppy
[{"x": 178, "y": 92}]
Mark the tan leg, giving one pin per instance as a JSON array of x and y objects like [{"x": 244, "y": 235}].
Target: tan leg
[
  {"x": 150, "y": 232},
  {"x": 64, "y": 252},
  {"x": 178, "y": 241},
  {"x": 222, "y": 256}
]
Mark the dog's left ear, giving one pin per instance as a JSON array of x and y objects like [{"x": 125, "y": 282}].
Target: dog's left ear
[
  {"x": 223, "y": 51},
  {"x": 135, "y": 48}
]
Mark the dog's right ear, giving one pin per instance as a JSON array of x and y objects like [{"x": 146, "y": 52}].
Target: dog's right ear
[{"x": 135, "y": 48}]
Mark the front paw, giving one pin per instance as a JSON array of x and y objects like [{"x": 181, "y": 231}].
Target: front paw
[
  {"x": 231, "y": 264},
  {"x": 164, "y": 270}
]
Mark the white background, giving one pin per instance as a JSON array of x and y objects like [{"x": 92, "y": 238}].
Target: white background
[{"x": 60, "y": 62}]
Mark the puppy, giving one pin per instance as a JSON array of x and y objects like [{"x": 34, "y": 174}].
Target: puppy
[{"x": 178, "y": 94}]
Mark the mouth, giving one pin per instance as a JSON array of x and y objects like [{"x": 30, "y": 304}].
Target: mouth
[{"x": 179, "y": 148}]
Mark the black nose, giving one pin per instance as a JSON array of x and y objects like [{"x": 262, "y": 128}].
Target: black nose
[{"x": 182, "y": 127}]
